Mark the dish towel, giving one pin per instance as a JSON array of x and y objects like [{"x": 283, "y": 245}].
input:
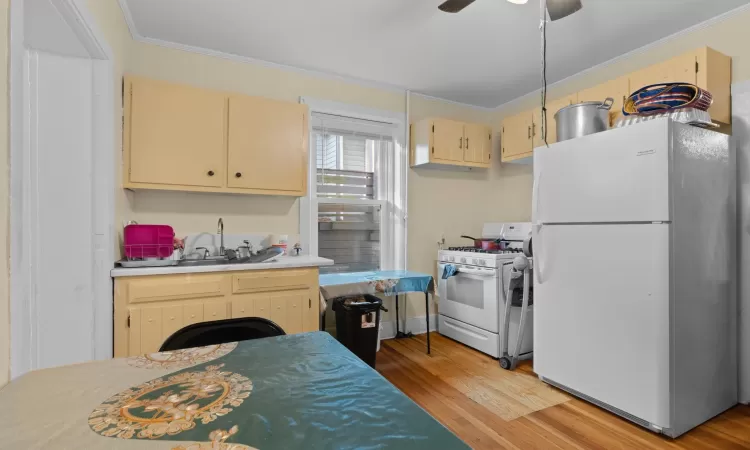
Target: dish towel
[{"x": 449, "y": 270}]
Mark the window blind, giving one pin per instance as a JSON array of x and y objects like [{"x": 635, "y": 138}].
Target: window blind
[{"x": 349, "y": 153}]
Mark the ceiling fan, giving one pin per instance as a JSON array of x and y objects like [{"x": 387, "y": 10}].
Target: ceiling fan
[{"x": 557, "y": 8}]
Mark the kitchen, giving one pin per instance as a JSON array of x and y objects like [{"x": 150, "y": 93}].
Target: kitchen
[{"x": 431, "y": 193}]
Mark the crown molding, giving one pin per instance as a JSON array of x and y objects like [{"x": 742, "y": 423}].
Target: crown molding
[
  {"x": 639, "y": 51},
  {"x": 138, "y": 37},
  {"x": 453, "y": 102},
  {"x": 129, "y": 19}
]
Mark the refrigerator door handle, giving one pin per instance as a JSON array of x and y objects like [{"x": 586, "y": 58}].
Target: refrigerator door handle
[
  {"x": 538, "y": 255},
  {"x": 535, "y": 198}
]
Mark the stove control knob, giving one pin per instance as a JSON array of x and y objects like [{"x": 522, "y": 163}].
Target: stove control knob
[
  {"x": 451, "y": 258},
  {"x": 463, "y": 260},
  {"x": 482, "y": 262}
]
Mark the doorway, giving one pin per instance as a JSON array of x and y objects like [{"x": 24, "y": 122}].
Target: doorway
[{"x": 62, "y": 188}]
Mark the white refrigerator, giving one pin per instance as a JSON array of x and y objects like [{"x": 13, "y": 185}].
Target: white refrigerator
[{"x": 634, "y": 250}]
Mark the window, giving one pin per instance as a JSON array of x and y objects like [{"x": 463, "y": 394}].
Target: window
[{"x": 355, "y": 213}]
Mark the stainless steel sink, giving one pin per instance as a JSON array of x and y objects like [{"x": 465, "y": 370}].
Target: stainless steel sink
[
  {"x": 261, "y": 256},
  {"x": 202, "y": 262}
]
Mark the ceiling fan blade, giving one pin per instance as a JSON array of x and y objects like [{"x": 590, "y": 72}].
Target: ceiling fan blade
[
  {"x": 562, "y": 8},
  {"x": 454, "y": 6}
]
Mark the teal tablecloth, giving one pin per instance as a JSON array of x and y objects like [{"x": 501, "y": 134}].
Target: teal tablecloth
[
  {"x": 303, "y": 391},
  {"x": 387, "y": 282}
]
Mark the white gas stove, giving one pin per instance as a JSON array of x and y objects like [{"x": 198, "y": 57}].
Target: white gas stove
[{"x": 471, "y": 301}]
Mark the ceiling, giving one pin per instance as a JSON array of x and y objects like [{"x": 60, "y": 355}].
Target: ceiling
[{"x": 485, "y": 56}]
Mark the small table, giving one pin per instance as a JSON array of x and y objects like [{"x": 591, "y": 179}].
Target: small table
[
  {"x": 289, "y": 392},
  {"x": 386, "y": 282}
]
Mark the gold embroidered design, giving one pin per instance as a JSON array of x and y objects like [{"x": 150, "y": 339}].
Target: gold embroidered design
[
  {"x": 180, "y": 359},
  {"x": 169, "y": 406},
  {"x": 217, "y": 442}
]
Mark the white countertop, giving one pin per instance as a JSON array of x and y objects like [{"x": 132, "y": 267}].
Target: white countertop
[{"x": 282, "y": 262}]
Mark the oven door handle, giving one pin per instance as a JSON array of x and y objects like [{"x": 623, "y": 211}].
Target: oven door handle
[{"x": 481, "y": 273}]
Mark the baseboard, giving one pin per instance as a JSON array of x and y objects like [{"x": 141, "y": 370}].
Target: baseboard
[{"x": 415, "y": 325}]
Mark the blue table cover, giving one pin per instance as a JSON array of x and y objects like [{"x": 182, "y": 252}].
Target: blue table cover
[
  {"x": 298, "y": 392},
  {"x": 387, "y": 282}
]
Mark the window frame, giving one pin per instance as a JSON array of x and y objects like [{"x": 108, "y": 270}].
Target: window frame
[{"x": 393, "y": 251}]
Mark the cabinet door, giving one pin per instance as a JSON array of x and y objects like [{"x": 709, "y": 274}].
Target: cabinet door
[
  {"x": 151, "y": 330},
  {"x": 552, "y": 108},
  {"x": 448, "y": 140},
  {"x": 477, "y": 143},
  {"x": 262, "y": 306},
  {"x": 279, "y": 310},
  {"x": 618, "y": 89},
  {"x": 516, "y": 139},
  {"x": 678, "y": 69},
  {"x": 311, "y": 316},
  {"x": 267, "y": 145},
  {"x": 214, "y": 311},
  {"x": 175, "y": 134},
  {"x": 192, "y": 313},
  {"x": 715, "y": 76},
  {"x": 172, "y": 320},
  {"x": 242, "y": 306}
]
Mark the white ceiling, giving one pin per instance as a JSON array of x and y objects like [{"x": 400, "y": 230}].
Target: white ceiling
[{"x": 486, "y": 55}]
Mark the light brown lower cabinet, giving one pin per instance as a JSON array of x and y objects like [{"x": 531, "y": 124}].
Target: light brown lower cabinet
[{"x": 149, "y": 309}]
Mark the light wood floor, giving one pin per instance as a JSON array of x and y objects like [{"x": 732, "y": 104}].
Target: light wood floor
[{"x": 490, "y": 408}]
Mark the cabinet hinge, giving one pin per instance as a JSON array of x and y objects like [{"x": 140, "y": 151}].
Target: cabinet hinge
[
  {"x": 309, "y": 304},
  {"x": 489, "y": 136},
  {"x": 696, "y": 67},
  {"x": 433, "y": 128},
  {"x": 128, "y": 320},
  {"x": 503, "y": 149},
  {"x": 489, "y": 156},
  {"x": 503, "y": 129},
  {"x": 433, "y": 150}
]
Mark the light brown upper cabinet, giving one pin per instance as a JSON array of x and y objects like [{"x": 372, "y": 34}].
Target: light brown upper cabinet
[
  {"x": 618, "y": 89},
  {"x": 443, "y": 142},
  {"x": 552, "y": 108},
  {"x": 267, "y": 145},
  {"x": 447, "y": 140},
  {"x": 704, "y": 67},
  {"x": 175, "y": 134},
  {"x": 477, "y": 143},
  {"x": 517, "y": 141},
  {"x": 182, "y": 138}
]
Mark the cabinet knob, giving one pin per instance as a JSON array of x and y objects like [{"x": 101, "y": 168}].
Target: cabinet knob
[
  {"x": 210, "y": 173},
  {"x": 242, "y": 310},
  {"x": 238, "y": 175},
  {"x": 214, "y": 314},
  {"x": 192, "y": 316},
  {"x": 171, "y": 318}
]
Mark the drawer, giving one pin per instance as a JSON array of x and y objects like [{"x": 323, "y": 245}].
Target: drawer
[
  {"x": 272, "y": 280},
  {"x": 176, "y": 288}
]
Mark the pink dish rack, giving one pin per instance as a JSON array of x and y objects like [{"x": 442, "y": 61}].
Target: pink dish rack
[{"x": 148, "y": 241}]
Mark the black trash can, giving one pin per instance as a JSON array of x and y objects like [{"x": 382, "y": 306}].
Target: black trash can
[{"x": 357, "y": 324}]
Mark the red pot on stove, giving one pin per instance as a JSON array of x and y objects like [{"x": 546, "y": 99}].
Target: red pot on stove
[{"x": 486, "y": 244}]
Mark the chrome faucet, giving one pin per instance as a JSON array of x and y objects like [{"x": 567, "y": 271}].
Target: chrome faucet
[{"x": 220, "y": 231}]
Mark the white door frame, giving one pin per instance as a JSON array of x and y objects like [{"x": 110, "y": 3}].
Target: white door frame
[{"x": 23, "y": 351}]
